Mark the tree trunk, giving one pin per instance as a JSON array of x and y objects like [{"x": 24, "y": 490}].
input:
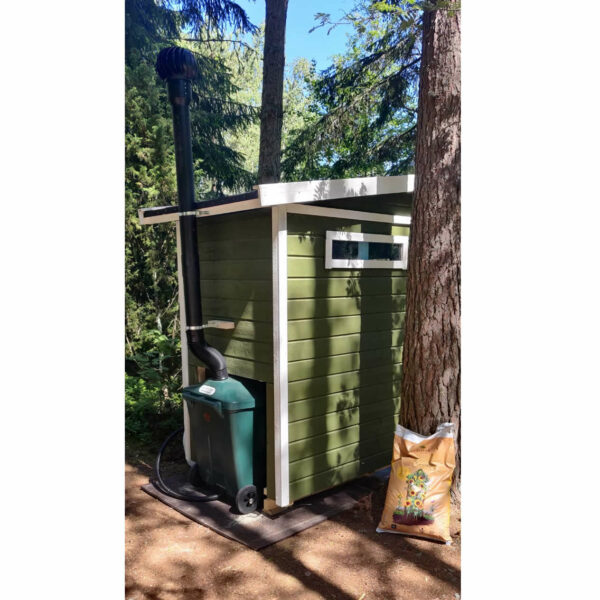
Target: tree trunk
[
  {"x": 431, "y": 355},
  {"x": 271, "y": 117}
]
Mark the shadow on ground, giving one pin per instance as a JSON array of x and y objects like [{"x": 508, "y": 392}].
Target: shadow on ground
[{"x": 170, "y": 557}]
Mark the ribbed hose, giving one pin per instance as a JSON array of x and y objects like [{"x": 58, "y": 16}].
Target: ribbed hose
[{"x": 160, "y": 485}]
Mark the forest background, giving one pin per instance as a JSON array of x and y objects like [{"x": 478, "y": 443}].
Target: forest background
[{"x": 357, "y": 117}]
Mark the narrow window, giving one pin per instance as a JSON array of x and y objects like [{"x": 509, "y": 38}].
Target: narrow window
[{"x": 350, "y": 250}]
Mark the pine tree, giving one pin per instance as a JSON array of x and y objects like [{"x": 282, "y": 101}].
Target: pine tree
[
  {"x": 271, "y": 117},
  {"x": 431, "y": 354},
  {"x": 364, "y": 114},
  {"x": 152, "y": 324}
]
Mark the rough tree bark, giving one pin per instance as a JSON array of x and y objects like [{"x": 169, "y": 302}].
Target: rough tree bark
[
  {"x": 431, "y": 355},
  {"x": 271, "y": 117}
]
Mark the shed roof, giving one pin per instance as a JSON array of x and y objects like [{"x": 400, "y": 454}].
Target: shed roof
[{"x": 273, "y": 194}]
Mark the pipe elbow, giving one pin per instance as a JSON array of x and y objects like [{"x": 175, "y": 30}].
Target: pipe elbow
[{"x": 211, "y": 357}]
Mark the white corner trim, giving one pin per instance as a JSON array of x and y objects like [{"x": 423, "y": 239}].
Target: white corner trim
[
  {"x": 356, "y": 215},
  {"x": 272, "y": 194},
  {"x": 280, "y": 355},
  {"x": 355, "y": 263},
  {"x": 185, "y": 368}
]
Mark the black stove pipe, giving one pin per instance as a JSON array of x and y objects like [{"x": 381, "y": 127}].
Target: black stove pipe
[{"x": 178, "y": 67}]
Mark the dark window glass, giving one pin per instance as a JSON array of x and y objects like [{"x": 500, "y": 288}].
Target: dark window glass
[
  {"x": 352, "y": 250},
  {"x": 384, "y": 251},
  {"x": 344, "y": 249}
]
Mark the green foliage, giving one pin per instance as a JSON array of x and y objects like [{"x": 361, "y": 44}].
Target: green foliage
[
  {"x": 297, "y": 100},
  {"x": 363, "y": 117},
  {"x": 243, "y": 65},
  {"x": 151, "y": 303},
  {"x": 152, "y": 397},
  {"x": 246, "y": 68},
  {"x": 150, "y": 22},
  {"x": 150, "y": 415},
  {"x": 356, "y": 118},
  {"x": 150, "y": 260}
]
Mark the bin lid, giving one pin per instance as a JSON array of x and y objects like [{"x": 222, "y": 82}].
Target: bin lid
[{"x": 230, "y": 393}]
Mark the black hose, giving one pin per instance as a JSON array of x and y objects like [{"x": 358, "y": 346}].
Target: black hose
[{"x": 164, "y": 488}]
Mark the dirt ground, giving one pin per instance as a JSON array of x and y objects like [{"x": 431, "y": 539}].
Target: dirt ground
[{"x": 169, "y": 557}]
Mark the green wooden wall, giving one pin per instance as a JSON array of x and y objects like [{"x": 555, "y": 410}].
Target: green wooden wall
[
  {"x": 345, "y": 334},
  {"x": 236, "y": 285}
]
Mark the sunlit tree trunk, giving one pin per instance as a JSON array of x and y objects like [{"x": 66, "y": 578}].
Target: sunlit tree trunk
[
  {"x": 271, "y": 119},
  {"x": 431, "y": 355}
]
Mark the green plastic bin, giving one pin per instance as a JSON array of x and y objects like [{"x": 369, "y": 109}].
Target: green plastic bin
[{"x": 227, "y": 437}]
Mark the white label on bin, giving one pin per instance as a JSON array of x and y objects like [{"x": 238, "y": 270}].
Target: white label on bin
[{"x": 207, "y": 389}]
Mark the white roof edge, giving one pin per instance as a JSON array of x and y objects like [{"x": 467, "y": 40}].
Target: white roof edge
[
  {"x": 272, "y": 194},
  {"x": 300, "y": 192}
]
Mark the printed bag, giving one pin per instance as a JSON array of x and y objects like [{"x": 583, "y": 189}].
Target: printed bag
[{"x": 418, "y": 494}]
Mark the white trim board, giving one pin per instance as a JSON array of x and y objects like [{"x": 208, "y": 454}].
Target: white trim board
[
  {"x": 185, "y": 368},
  {"x": 353, "y": 215},
  {"x": 271, "y": 194},
  {"x": 275, "y": 194},
  {"x": 302, "y": 209},
  {"x": 223, "y": 209},
  {"x": 155, "y": 220},
  {"x": 210, "y": 211},
  {"x": 357, "y": 263},
  {"x": 280, "y": 355}
]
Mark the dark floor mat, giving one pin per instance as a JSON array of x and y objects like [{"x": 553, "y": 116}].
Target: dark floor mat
[{"x": 257, "y": 530}]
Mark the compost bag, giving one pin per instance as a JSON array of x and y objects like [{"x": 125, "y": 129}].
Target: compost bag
[{"x": 418, "y": 494}]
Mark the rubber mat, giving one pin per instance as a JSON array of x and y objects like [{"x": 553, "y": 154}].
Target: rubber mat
[{"x": 257, "y": 530}]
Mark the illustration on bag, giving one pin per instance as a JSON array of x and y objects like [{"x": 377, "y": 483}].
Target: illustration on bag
[{"x": 410, "y": 509}]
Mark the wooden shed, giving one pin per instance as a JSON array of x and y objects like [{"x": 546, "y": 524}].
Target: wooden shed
[{"x": 312, "y": 276}]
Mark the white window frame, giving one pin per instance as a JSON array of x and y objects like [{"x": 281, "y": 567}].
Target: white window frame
[{"x": 351, "y": 236}]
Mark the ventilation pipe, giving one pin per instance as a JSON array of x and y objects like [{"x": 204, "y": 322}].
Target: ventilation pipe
[{"x": 178, "y": 67}]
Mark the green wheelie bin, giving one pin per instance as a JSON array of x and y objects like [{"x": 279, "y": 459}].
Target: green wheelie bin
[{"x": 227, "y": 437}]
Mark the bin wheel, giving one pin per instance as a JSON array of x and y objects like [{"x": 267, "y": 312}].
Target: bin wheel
[{"x": 246, "y": 499}]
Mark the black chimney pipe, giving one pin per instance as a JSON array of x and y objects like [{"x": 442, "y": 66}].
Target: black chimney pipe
[{"x": 178, "y": 67}]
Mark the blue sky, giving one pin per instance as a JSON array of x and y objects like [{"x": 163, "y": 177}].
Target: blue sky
[{"x": 300, "y": 18}]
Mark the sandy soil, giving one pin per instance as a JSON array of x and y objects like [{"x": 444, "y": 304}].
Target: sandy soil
[{"x": 169, "y": 557}]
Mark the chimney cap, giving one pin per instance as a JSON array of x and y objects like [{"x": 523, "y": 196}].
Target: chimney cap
[{"x": 176, "y": 63}]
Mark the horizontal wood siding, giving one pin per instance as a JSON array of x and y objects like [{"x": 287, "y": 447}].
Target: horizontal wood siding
[
  {"x": 315, "y": 287},
  {"x": 341, "y": 344},
  {"x": 345, "y": 332},
  {"x": 306, "y": 486},
  {"x": 235, "y": 272}
]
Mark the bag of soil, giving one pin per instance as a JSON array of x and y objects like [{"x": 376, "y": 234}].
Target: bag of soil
[{"x": 418, "y": 494}]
